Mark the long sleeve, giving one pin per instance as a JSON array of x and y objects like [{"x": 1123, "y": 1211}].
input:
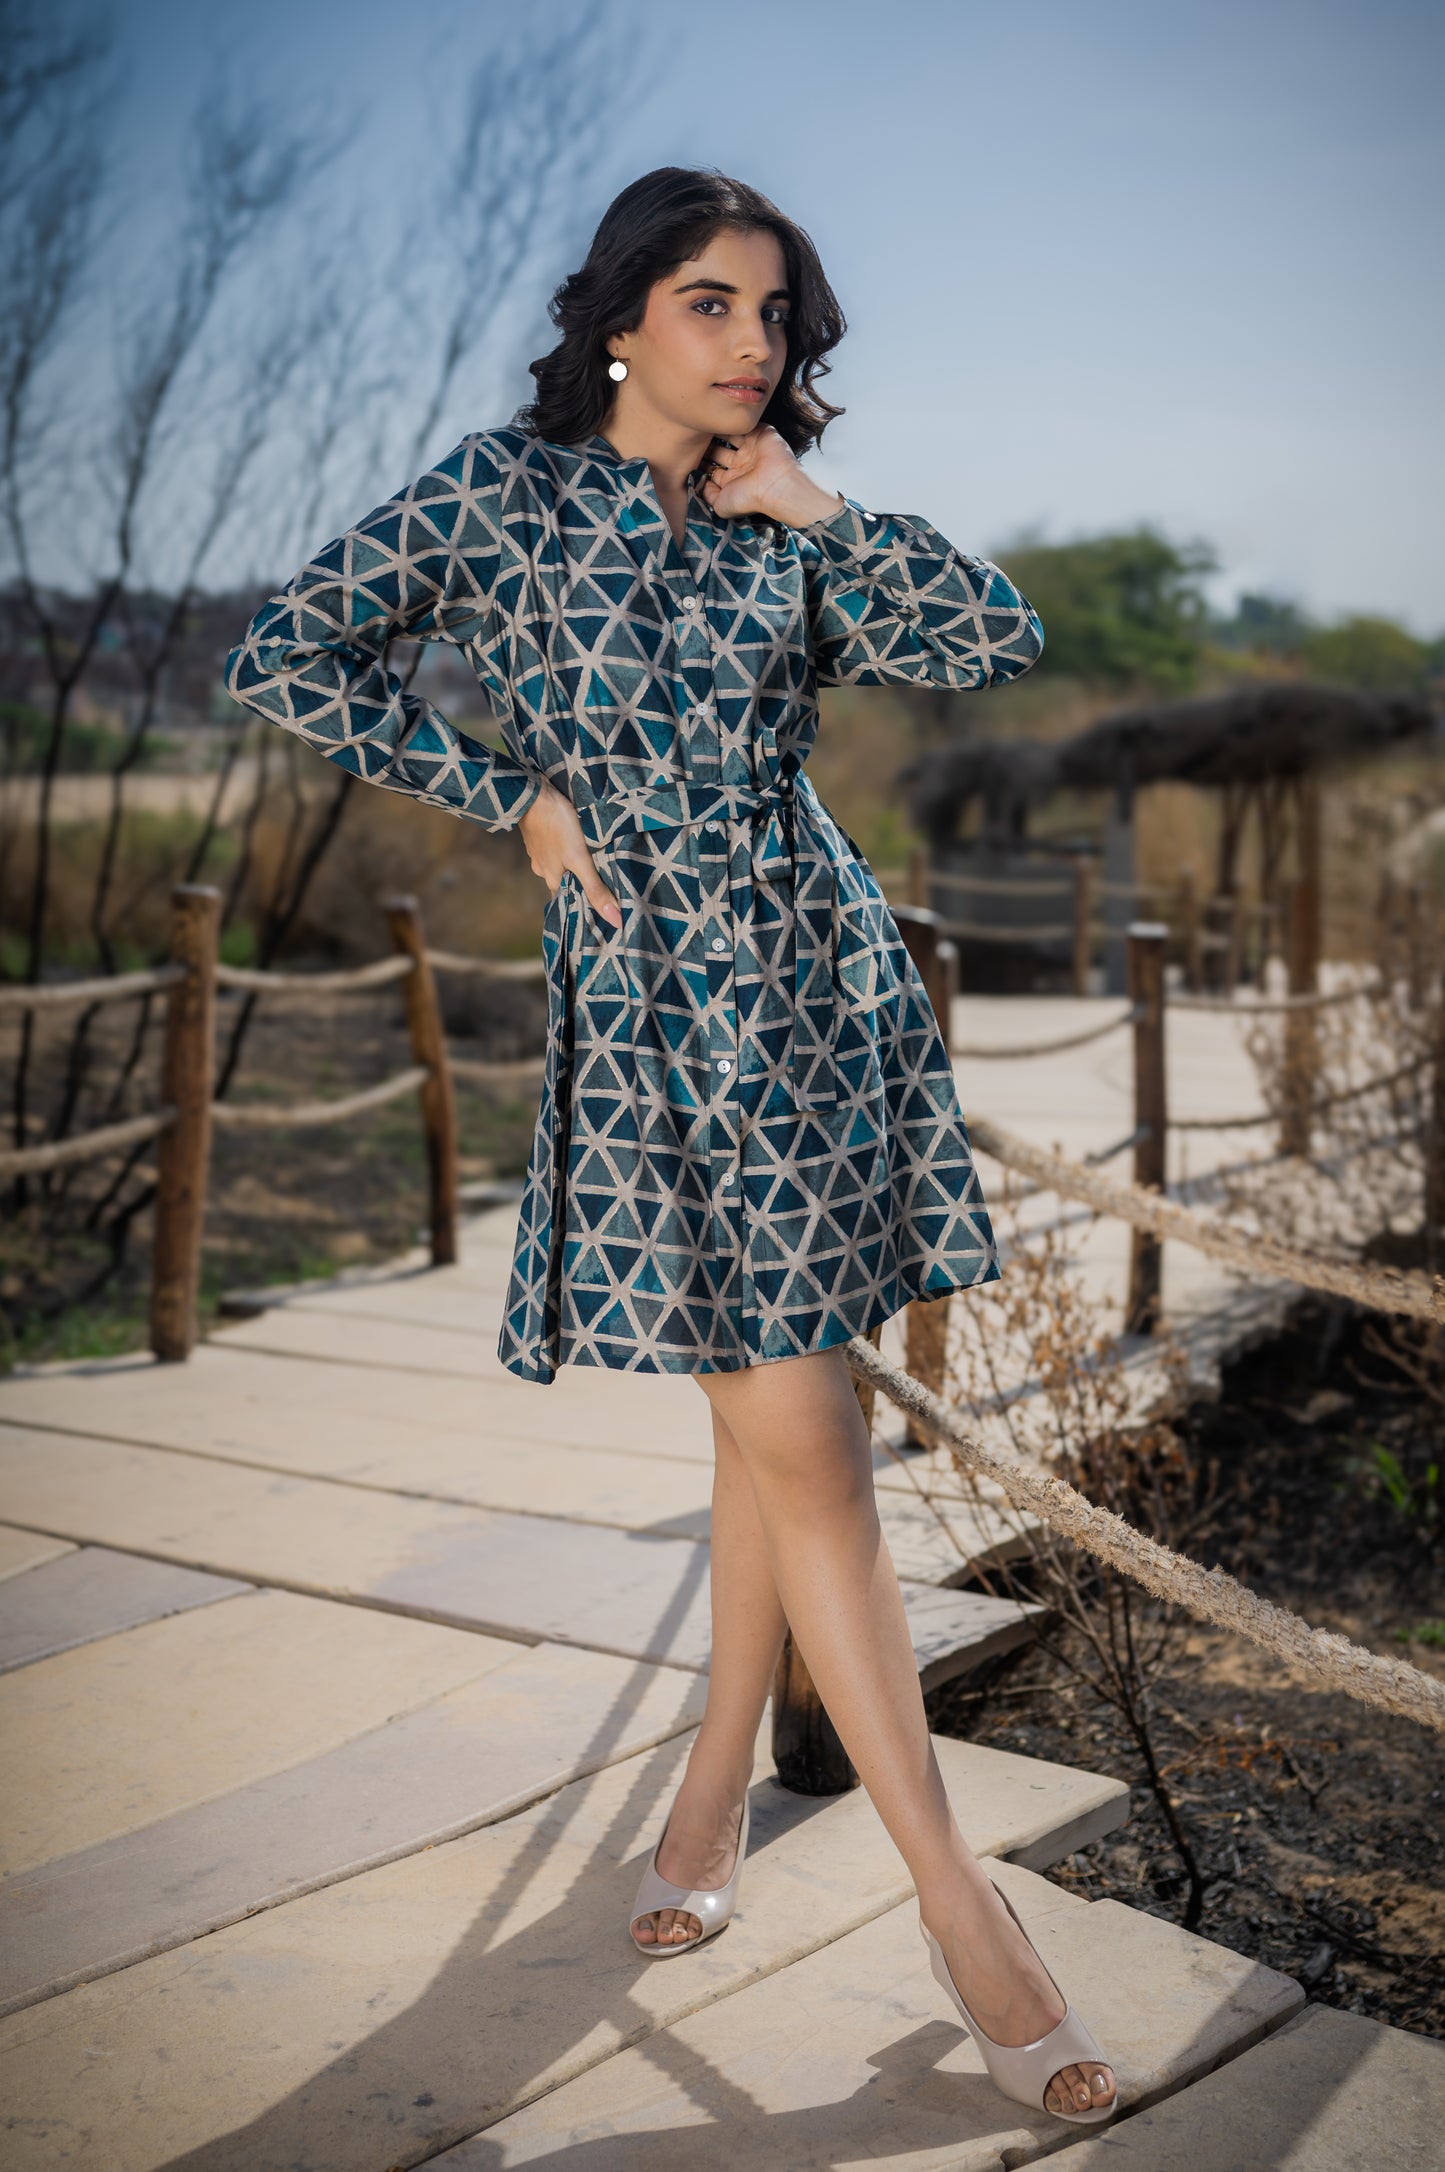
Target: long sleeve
[
  {"x": 425, "y": 564},
  {"x": 891, "y": 600}
]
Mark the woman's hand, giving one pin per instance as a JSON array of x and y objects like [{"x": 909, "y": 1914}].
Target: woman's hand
[
  {"x": 553, "y": 837},
  {"x": 758, "y": 473}
]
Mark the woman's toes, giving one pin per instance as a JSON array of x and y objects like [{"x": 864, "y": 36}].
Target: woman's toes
[
  {"x": 644, "y": 1930},
  {"x": 1080, "y": 2089}
]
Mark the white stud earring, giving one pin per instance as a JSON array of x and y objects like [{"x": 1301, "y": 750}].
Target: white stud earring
[{"x": 617, "y": 370}]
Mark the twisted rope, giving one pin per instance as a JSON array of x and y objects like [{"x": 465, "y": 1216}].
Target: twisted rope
[
  {"x": 1051, "y": 932},
  {"x": 89, "y": 1146},
  {"x": 375, "y": 975},
  {"x": 58, "y": 995},
  {"x": 1316, "y": 1108},
  {"x": 1379, "y": 1289},
  {"x": 454, "y": 961},
  {"x": 262, "y": 1116},
  {"x": 1226, "y": 1007},
  {"x": 1209, "y": 1594},
  {"x": 1053, "y": 1048}
]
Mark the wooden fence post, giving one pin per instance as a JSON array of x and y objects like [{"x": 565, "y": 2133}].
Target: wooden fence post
[
  {"x": 438, "y": 1100},
  {"x": 187, "y": 1078},
  {"x": 809, "y": 1756},
  {"x": 926, "y": 1321},
  {"x": 1083, "y": 922},
  {"x": 807, "y": 1751},
  {"x": 918, "y": 877},
  {"x": 1147, "y": 943},
  {"x": 1193, "y": 932},
  {"x": 1301, "y": 1028}
]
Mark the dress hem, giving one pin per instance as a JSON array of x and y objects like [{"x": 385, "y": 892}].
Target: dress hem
[{"x": 877, "y": 1316}]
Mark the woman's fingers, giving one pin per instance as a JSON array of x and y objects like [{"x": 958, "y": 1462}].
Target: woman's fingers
[
  {"x": 554, "y": 840},
  {"x": 597, "y": 894}
]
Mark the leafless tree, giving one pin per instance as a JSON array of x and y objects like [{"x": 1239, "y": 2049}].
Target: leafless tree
[{"x": 218, "y": 411}]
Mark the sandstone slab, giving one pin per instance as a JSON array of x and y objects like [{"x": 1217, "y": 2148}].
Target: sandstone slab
[
  {"x": 22, "y": 1550},
  {"x": 89, "y": 1592},
  {"x": 541, "y": 1717},
  {"x": 380, "y": 2019},
  {"x": 241, "y": 1399},
  {"x": 114, "y": 1735},
  {"x": 853, "y": 2055},
  {"x": 1328, "y": 2092},
  {"x": 531, "y": 1577}
]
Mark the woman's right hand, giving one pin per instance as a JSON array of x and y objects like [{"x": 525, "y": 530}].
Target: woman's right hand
[{"x": 553, "y": 837}]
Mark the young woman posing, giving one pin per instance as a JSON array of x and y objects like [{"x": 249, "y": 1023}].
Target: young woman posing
[{"x": 749, "y": 1145}]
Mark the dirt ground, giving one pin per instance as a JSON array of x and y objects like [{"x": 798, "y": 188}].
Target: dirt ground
[{"x": 1315, "y": 1819}]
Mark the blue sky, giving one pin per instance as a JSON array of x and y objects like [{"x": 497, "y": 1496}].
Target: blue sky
[{"x": 1101, "y": 264}]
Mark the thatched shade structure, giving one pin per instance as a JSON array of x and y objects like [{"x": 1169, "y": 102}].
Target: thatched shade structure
[
  {"x": 1261, "y": 735},
  {"x": 1262, "y": 731}
]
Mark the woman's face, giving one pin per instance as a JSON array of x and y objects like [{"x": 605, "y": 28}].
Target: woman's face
[{"x": 712, "y": 344}]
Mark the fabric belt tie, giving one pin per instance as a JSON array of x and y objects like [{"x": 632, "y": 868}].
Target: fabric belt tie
[{"x": 788, "y": 841}]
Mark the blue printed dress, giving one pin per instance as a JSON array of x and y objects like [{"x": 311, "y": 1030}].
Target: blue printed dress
[{"x": 749, "y": 1143}]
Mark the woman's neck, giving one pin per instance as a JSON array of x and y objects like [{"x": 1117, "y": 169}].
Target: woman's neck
[{"x": 671, "y": 450}]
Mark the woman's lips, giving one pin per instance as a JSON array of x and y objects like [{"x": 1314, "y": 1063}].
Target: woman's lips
[{"x": 752, "y": 394}]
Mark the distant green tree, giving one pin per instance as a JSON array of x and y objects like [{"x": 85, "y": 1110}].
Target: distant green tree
[
  {"x": 1117, "y": 610},
  {"x": 1368, "y": 652},
  {"x": 1264, "y": 625}
]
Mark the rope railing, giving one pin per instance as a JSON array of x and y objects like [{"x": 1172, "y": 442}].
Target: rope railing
[
  {"x": 1318, "y": 1107},
  {"x": 268, "y": 1116},
  {"x": 453, "y": 961},
  {"x": 1211, "y": 1595},
  {"x": 256, "y": 981},
  {"x": 86, "y": 1146},
  {"x": 57, "y": 995},
  {"x": 1250, "y": 1252},
  {"x": 996, "y": 1054},
  {"x": 1263, "y": 1006},
  {"x": 1052, "y": 931},
  {"x": 513, "y": 1071},
  {"x": 998, "y": 885}
]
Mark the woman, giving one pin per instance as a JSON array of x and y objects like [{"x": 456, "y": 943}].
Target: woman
[{"x": 749, "y": 1145}]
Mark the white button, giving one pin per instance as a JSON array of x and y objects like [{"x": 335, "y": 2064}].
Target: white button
[
  {"x": 731, "y": 1177},
  {"x": 712, "y": 825},
  {"x": 724, "y": 1063},
  {"x": 719, "y": 942},
  {"x": 689, "y": 603}
]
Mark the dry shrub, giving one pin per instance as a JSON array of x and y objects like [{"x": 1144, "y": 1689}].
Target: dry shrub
[
  {"x": 1032, "y": 1363},
  {"x": 1372, "y": 1187}
]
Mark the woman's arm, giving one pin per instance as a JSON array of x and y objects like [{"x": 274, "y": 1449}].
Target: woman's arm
[
  {"x": 425, "y": 564},
  {"x": 890, "y": 599}
]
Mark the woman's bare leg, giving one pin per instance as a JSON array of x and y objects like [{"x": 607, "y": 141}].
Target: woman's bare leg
[
  {"x": 800, "y": 1435},
  {"x": 747, "y": 1636}
]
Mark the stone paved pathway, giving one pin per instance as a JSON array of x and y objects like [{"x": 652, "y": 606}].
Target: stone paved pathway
[{"x": 345, "y": 1683}]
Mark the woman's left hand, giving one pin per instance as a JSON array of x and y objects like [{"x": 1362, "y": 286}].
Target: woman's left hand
[{"x": 757, "y": 472}]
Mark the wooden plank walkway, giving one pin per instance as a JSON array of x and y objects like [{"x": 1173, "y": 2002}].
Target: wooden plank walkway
[{"x": 346, "y": 1681}]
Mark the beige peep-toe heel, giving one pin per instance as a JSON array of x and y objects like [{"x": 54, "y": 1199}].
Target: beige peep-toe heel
[
  {"x": 1024, "y": 2071},
  {"x": 712, "y": 1910}
]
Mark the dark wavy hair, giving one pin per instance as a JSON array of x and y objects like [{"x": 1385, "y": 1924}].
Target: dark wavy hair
[{"x": 658, "y": 222}]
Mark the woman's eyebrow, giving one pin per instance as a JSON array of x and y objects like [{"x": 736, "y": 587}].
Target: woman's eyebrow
[{"x": 721, "y": 286}]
